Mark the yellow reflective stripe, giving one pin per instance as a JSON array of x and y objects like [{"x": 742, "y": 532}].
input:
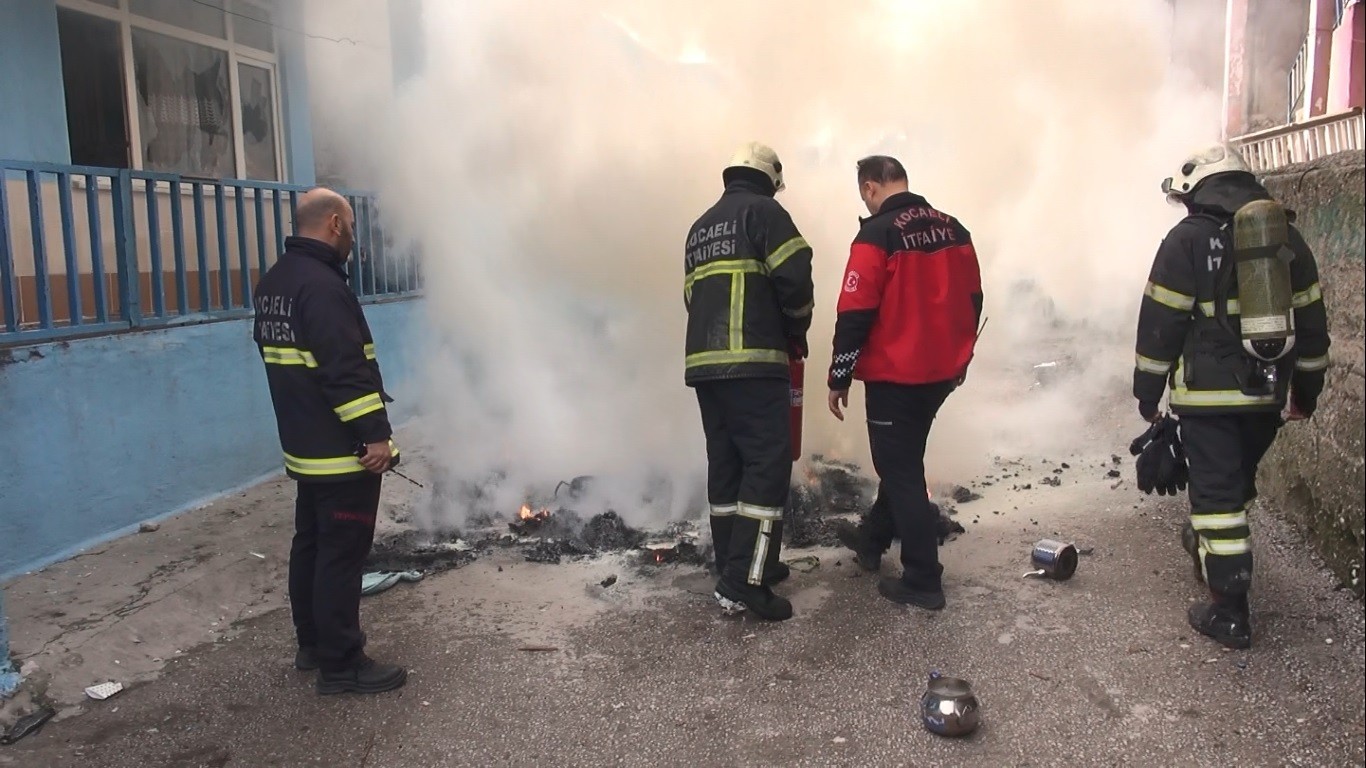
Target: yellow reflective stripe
[
  {"x": 784, "y": 252},
  {"x": 1216, "y": 398},
  {"x": 1310, "y": 364},
  {"x": 731, "y": 357},
  {"x": 288, "y": 356},
  {"x": 1220, "y": 521},
  {"x": 723, "y": 267},
  {"x": 723, "y": 510},
  {"x": 369, "y": 351},
  {"x": 803, "y": 312},
  {"x": 761, "y": 545},
  {"x": 341, "y": 465},
  {"x": 1226, "y": 547},
  {"x": 1307, "y": 296},
  {"x": 1234, "y": 308},
  {"x": 737, "y": 311},
  {"x": 359, "y": 407},
  {"x": 1149, "y": 365},
  {"x": 1168, "y": 297},
  {"x": 757, "y": 512}
]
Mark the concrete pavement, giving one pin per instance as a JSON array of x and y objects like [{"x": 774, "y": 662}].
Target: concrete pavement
[{"x": 1101, "y": 670}]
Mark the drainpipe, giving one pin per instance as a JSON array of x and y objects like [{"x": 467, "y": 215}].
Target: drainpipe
[{"x": 9, "y": 679}]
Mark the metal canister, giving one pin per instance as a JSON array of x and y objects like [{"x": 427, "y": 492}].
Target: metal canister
[
  {"x": 949, "y": 707},
  {"x": 1053, "y": 559}
]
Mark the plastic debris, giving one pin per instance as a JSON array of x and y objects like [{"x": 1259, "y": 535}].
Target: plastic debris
[
  {"x": 374, "y": 583},
  {"x": 804, "y": 564},
  {"x": 103, "y": 690},
  {"x": 257, "y": 555}
]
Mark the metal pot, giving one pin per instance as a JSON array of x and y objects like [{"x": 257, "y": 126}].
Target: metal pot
[
  {"x": 949, "y": 707},
  {"x": 1055, "y": 560}
]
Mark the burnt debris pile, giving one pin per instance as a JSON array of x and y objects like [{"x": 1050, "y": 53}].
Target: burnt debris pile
[{"x": 570, "y": 523}]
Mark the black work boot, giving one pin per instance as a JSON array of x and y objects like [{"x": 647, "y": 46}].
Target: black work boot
[
  {"x": 1191, "y": 543},
  {"x": 1226, "y": 619},
  {"x": 366, "y": 676},
  {"x": 777, "y": 574},
  {"x": 759, "y": 601},
  {"x": 867, "y": 554},
  {"x": 898, "y": 591}
]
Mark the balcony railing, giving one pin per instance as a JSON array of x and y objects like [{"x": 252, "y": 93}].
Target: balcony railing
[
  {"x": 1304, "y": 142},
  {"x": 87, "y": 251}
]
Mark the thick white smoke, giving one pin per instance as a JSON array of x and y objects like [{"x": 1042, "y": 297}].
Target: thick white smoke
[{"x": 551, "y": 155}]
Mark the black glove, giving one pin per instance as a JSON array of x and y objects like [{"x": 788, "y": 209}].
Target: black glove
[
  {"x": 1139, "y": 443},
  {"x": 1148, "y": 411},
  {"x": 796, "y": 347}
]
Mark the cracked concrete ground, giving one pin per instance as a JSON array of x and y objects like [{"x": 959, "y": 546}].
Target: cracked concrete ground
[{"x": 1101, "y": 670}]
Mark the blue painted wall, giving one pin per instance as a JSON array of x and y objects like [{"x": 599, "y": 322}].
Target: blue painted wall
[
  {"x": 32, "y": 100},
  {"x": 121, "y": 429},
  {"x": 9, "y": 679}
]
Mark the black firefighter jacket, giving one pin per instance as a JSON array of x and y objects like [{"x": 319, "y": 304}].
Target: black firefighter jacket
[
  {"x": 320, "y": 363},
  {"x": 747, "y": 287},
  {"x": 1188, "y": 324}
]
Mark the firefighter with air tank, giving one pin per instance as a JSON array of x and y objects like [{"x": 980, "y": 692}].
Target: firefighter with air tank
[{"x": 1234, "y": 325}]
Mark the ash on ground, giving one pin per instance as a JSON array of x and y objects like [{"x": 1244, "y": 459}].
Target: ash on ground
[{"x": 550, "y": 529}]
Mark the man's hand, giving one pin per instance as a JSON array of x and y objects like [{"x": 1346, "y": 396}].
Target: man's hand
[
  {"x": 796, "y": 347},
  {"x": 1149, "y": 412},
  {"x": 839, "y": 400},
  {"x": 377, "y": 457}
]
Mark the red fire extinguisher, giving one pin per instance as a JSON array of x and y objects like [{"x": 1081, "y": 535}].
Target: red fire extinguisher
[{"x": 797, "y": 369}]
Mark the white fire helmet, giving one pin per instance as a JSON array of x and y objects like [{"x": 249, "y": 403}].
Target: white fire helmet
[
  {"x": 1219, "y": 158},
  {"x": 760, "y": 157}
]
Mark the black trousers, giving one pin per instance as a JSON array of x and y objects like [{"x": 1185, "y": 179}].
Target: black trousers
[
  {"x": 899, "y": 421},
  {"x": 1223, "y": 452},
  {"x": 749, "y": 469},
  {"x": 334, "y": 526}
]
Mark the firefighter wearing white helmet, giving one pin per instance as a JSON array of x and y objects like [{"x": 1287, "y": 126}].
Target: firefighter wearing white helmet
[
  {"x": 747, "y": 288},
  {"x": 1234, "y": 331}
]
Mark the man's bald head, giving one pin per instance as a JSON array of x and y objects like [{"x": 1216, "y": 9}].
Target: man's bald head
[{"x": 324, "y": 215}]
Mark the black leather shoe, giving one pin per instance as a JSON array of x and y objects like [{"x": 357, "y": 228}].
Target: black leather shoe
[
  {"x": 1228, "y": 625},
  {"x": 895, "y": 589},
  {"x": 866, "y": 554},
  {"x": 367, "y": 676},
  {"x": 777, "y": 575},
  {"x": 759, "y": 601}
]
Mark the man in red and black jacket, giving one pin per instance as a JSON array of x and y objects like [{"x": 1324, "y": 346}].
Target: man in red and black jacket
[
  {"x": 909, "y": 310},
  {"x": 335, "y": 434}
]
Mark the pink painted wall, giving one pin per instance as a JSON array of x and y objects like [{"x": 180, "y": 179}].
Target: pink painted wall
[{"x": 1348, "y": 60}]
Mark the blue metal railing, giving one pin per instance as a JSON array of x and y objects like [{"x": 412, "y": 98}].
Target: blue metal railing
[{"x": 134, "y": 257}]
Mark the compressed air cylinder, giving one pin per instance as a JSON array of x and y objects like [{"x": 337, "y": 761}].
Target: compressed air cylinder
[{"x": 1262, "y": 255}]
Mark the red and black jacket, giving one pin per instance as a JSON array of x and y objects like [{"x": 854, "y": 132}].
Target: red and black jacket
[
  {"x": 911, "y": 298},
  {"x": 320, "y": 361}
]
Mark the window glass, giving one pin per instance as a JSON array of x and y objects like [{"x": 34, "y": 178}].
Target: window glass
[
  {"x": 258, "y": 122},
  {"x": 251, "y": 26},
  {"x": 203, "y": 16},
  {"x": 184, "y": 106},
  {"x": 92, "y": 78}
]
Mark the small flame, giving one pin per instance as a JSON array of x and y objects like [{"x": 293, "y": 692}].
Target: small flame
[{"x": 526, "y": 513}]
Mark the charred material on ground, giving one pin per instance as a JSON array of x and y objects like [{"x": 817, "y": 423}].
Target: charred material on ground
[{"x": 825, "y": 490}]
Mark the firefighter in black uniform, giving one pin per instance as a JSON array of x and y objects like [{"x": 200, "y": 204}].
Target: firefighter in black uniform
[
  {"x": 1233, "y": 321},
  {"x": 334, "y": 430},
  {"x": 747, "y": 287}
]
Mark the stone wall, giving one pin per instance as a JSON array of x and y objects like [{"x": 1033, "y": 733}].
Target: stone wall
[{"x": 1314, "y": 473}]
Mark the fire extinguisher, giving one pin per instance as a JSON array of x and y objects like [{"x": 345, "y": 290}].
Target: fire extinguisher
[{"x": 797, "y": 369}]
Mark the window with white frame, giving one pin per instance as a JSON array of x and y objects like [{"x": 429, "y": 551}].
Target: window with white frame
[{"x": 175, "y": 86}]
